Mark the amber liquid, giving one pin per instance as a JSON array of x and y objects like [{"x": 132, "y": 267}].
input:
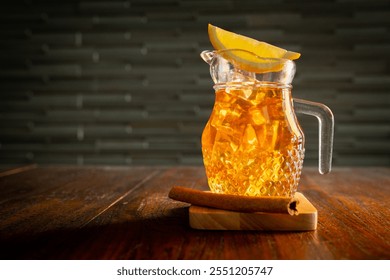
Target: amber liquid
[{"x": 252, "y": 144}]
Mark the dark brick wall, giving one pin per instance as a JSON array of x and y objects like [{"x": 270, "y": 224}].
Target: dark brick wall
[{"x": 121, "y": 82}]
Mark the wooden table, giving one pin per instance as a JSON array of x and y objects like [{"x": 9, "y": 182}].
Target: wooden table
[{"x": 72, "y": 212}]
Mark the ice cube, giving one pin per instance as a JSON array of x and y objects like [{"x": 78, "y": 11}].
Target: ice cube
[
  {"x": 259, "y": 115},
  {"x": 273, "y": 135},
  {"x": 224, "y": 148},
  {"x": 249, "y": 140},
  {"x": 223, "y": 71},
  {"x": 228, "y": 120},
  {"x": 241, "y": 76},
  {"x": 261, "y": 134}
]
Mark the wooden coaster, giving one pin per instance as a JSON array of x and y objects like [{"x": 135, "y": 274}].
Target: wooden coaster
[{"x": 216, "y": 219}]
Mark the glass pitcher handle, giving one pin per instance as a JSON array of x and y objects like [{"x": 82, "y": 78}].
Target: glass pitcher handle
[{"x": 326, "y": 130}]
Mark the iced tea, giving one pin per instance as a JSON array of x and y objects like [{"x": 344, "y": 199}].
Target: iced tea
[{"x": 252, "y": 144}]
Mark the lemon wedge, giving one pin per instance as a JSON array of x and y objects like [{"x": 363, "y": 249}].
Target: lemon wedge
[{"x": 256, "y": 56}]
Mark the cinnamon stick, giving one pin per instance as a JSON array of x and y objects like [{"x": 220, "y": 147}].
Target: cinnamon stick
[{"x": 237, "y": 203}]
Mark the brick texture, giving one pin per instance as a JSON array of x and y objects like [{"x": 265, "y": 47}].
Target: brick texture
[{"x": 121, "y": 82}]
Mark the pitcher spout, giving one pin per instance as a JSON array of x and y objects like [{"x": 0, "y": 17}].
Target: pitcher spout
[{"x": 207, "y": 56}]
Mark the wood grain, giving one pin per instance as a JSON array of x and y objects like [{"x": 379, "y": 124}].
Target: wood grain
[{"x": 70, "y": 212}]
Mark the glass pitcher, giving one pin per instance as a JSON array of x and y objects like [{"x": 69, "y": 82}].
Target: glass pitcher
[{"x": 252, "y": 143}]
